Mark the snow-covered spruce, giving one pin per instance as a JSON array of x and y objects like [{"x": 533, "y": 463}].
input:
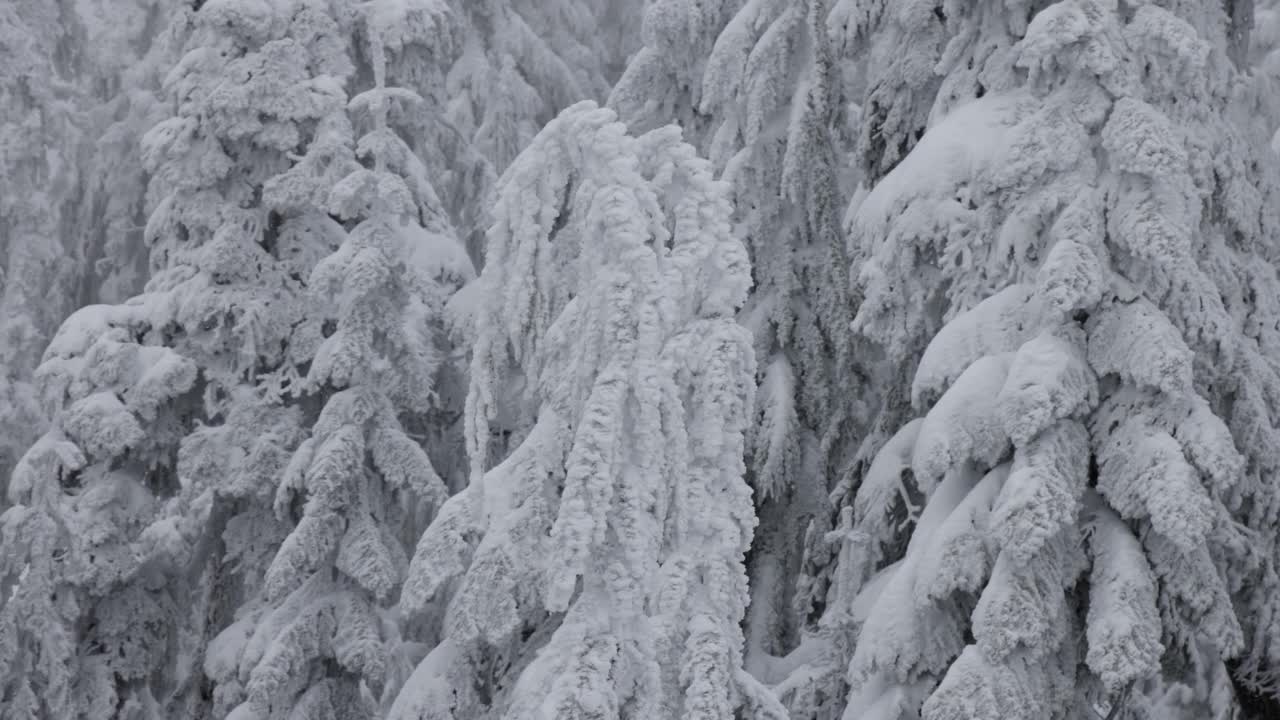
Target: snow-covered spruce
[
  {"x": 89, "y": 560},
  {"x": 598, "y": 570},
  {"x": 38, "y": 177},
  {"x": 1071, "y": 266},
  {"x": 110, "y": 502},
  {"x": 77, "y": 90},
  {"x": 772, "y": 90},
  {"x": 318, "y": 637}
]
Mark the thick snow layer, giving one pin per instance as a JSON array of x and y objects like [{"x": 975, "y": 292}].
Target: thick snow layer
[
  {"x": 952, "y": 154},
  {"x": 433, "y": 255},
  {"x": 84, "y": 326},
  {"x": 965, "y": 423},
  {"x": 998, "y": 324},
  {"x": 427, "y": 690},
  {"x": 860, "y": 608}
]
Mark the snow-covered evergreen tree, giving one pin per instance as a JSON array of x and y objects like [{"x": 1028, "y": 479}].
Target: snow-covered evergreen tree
[
  {"x": 39, "y": 173},
  {"x": 78, "y": 92},
  {"x": 759, "y": 85},
  {"x": 172, "y": 412},
  {"x": 1007, "y": 427},
  {"x": 319, "y": 639},
  {"x": 1072, "y": 264},
  {"x": 772, "y": 90},
  {"x": 87, "y": 558},
  {"x": 129, "y": 48},
  {"x": 597, "y": 570},
  {"x": 258, "y": 141},
  {"x": 663, "y": 82}
]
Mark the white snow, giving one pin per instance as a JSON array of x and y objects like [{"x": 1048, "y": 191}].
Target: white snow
[
  {"x": 952, "y": 154},
  {"x": 998, "y": 324}
]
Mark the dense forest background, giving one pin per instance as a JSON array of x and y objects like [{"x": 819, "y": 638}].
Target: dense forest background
[{"x": 595, "y": 359}]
